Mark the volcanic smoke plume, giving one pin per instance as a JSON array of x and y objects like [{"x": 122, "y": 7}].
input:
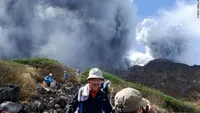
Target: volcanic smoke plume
[
  {"x": 79, "y": 33},
  {"x": 172, "y": 34}
]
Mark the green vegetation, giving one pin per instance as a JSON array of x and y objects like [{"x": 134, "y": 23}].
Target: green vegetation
[
  {"x": 15, "y": 73},
  {"x": 29, "y": 72},
  {"x": 46, "y": 66},
  {"x": 36, "y": 62}
]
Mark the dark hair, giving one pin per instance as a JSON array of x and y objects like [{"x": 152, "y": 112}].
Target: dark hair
[{"x": 145, "y": 110}]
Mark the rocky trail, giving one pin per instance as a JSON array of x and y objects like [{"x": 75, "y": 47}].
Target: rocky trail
[{"x": 46, "y": 100}]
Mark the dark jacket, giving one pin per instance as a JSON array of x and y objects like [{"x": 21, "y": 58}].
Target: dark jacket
[{"x": 97, "y": 105}]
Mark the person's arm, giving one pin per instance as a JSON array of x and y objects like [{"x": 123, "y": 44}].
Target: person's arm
[
  {"x": 73, "y": 105},
  {"x": 46, "y": 77}
]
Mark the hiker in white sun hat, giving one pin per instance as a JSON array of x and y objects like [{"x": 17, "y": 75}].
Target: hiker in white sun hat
[
  {"x": 95, "y": 73},
  {"x": 95, "y": 78},
  {"x": 90, "y": 98},
  {"x": 130, "y": 100}
]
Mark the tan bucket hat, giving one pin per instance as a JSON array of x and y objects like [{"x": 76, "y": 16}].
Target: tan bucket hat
[{"x": 129, "y": 100}]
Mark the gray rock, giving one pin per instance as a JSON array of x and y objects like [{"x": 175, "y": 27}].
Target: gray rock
[
  {"x": 57, "y": 106},
  {"x": 48, "y": 101},
  {"x": 11, "y": 107}
]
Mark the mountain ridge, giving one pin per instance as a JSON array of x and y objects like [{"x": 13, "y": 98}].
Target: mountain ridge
[{"x": 173, "y": 78}]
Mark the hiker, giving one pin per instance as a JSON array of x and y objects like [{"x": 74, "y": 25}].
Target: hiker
[
  {"x": 90, "y": 98},
  {"x": 49, "y": 79},
  {"x": 78, "y": 72},
  {"x": 65, "y": 76},
  {"x": 130, "y": 100},
  {"x": 106, "y": 86}
]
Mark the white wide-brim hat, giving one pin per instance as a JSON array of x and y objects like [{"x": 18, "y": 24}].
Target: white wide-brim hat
[{"x": 95, "y": 73}]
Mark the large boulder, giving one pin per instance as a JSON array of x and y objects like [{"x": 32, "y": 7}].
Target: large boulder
[
  {"x": 11, "y": 107},
  {"x": 9, "y": 92}
]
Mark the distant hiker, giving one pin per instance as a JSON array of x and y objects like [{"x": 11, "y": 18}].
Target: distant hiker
[
  {"x": 90, "y": 99},
  {"x": 106, "y": 86},
  {"x": 49, "y": 79},
  {"x": 130, "y": 100},
  {"x": 65, "y": 75},
  {"x": 101, "y": 85},
  {"x": 78, "y": 72}
]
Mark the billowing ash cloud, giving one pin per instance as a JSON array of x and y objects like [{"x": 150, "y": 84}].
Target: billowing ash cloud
[
  {"x": 79, "y": 33},
  {"x": 97, "y": 33},
  {"x": 173, "y": 34}
]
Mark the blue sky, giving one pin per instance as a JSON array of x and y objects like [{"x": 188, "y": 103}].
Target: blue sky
[{"x": 147, "y": 8}]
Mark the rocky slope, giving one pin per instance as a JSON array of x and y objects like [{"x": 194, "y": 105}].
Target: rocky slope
[{"x": 46, "y": 100}]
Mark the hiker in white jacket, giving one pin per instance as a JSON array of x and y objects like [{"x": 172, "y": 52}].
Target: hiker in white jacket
[{"x": 90, "y": 98}]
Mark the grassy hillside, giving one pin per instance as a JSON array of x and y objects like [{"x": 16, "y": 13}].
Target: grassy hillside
[{"x": 29, "y": 72}]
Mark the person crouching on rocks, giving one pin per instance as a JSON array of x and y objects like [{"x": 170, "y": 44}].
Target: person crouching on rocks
[
  {"x": 90, "y": 98},
  {"x": 130, "y": 100},
  {"x": 48, "y": 79}
]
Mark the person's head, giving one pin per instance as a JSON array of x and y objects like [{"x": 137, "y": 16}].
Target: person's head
[
  {"x": 130, "y": 100},
  {"x": 50, "y": 74},
  {"x": 65, "y": 72},
  {"x": 95, "y": 78}
]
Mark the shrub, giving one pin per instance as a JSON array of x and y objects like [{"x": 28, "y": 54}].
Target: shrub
[{"x": 15, "y": 73}]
